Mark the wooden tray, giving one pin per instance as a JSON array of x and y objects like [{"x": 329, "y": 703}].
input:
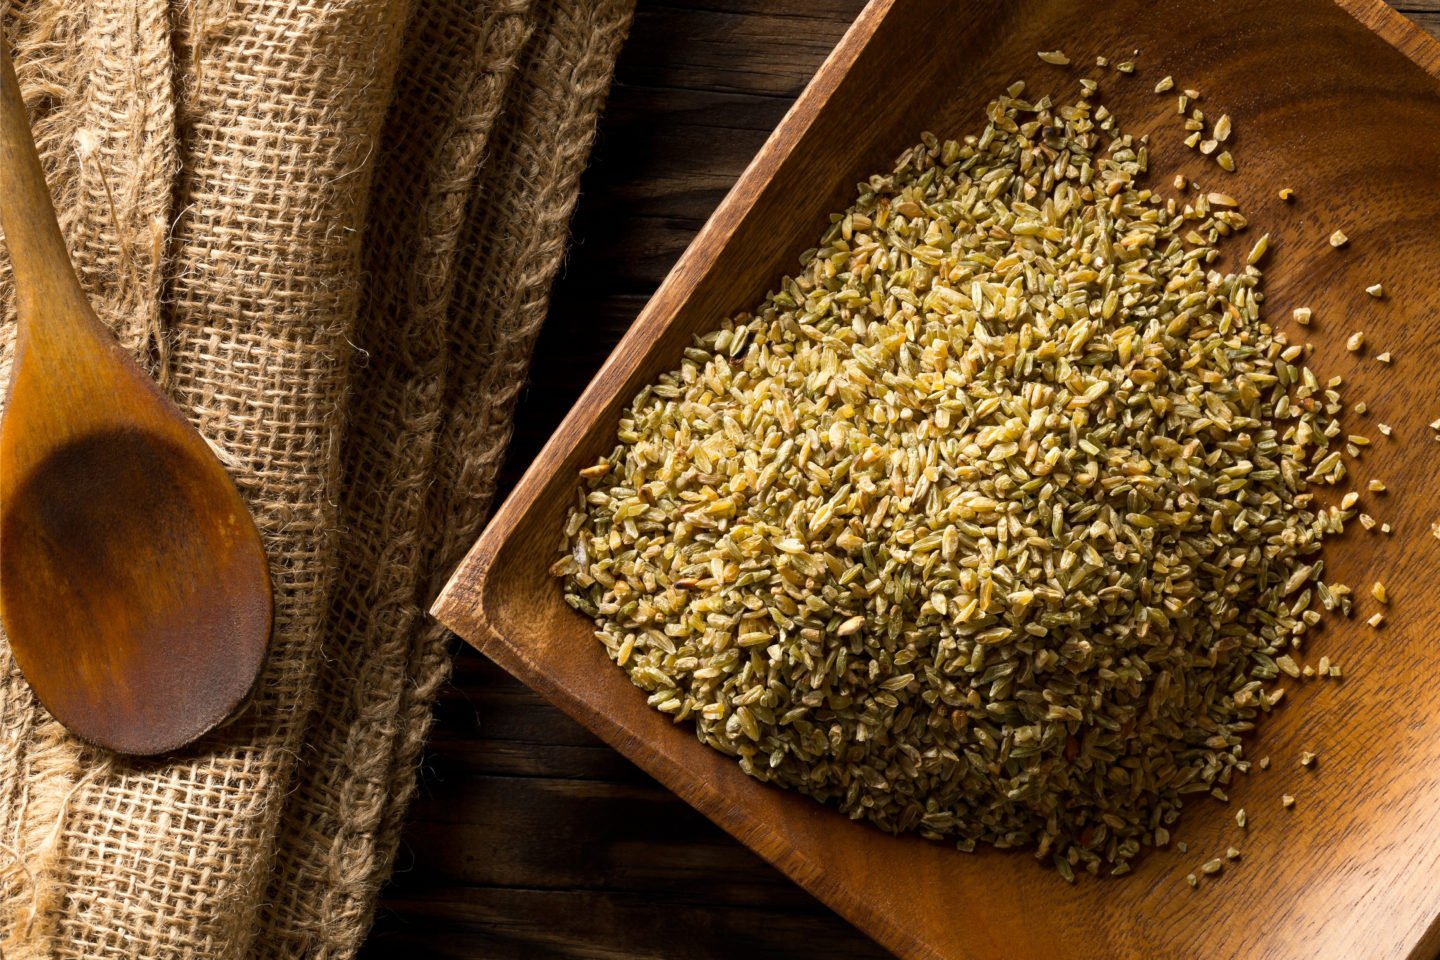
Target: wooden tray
[{"x": 1340, "y": 102}]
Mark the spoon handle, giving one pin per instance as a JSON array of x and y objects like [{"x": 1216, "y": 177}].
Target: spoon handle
[{"x": 43, "y": 272}]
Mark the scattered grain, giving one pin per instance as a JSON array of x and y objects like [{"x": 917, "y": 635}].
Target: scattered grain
[
  {"x": 1257, "y": 252},
  {"x": 1338, "y": 239}
]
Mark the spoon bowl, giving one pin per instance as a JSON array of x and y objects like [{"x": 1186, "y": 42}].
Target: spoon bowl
[{"x": 133, "y": 584}]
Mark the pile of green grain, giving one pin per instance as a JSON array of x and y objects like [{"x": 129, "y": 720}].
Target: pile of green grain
[{"x": 992, "y": 524}]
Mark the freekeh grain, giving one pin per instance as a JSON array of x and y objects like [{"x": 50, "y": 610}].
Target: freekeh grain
[{"x": 995, "y": 522}]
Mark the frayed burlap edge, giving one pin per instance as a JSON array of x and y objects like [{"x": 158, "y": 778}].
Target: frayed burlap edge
[
  {"x": 459, "y": 59},
  {"x": 496, "y": 290},
  {"x": 552, "y": 133}
]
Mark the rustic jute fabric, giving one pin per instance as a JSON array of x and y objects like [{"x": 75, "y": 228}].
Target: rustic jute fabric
[{"x": 329, "y": 228}]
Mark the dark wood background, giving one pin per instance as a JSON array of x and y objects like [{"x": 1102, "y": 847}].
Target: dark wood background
[{"x": 530, "y": 837}]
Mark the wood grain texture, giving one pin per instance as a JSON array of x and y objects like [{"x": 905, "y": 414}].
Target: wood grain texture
[
  {"x": 133, "y": 584},
  {"x": 1424, "y": 13},
  {"x": 676, "y": 134}
]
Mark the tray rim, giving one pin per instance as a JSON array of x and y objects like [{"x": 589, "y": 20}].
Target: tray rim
[{"x": 460, "y": 607}]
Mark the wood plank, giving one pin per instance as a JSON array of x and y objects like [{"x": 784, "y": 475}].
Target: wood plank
[
  {"x": 1428, "y": 19},
  {"x": 648, "y": 843},
  {"x": 503, "y": 923},
  {"x": 698, "y": 49},
  {"x": 479, "y": 756},
  {"x": 1426, "y": 13},
  {"x": 840, "y": 11}
]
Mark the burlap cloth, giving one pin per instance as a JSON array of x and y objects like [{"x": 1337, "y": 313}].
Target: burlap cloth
[{"x": 329, "y": 228}]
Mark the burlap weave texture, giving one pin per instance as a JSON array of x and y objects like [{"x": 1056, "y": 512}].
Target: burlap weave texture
[{"x": 329, "y": 228}]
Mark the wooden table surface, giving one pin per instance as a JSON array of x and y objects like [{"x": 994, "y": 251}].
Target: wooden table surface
[{"x": 530, "y": 837}]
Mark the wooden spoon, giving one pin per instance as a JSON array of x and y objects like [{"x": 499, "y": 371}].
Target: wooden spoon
[{"x": 133, "y": 584}]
